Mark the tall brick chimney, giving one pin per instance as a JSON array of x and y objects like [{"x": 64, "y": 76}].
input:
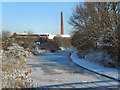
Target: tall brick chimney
[{"x": 62, "y": 32}]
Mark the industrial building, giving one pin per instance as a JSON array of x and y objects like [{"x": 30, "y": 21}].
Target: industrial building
[{"x": 42, "y": 37}]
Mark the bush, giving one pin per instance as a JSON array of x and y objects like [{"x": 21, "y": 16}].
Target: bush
[
  {"x": 14, "y": 71},
  {"x": 62, "y": 42},
  {"x": 58, "y": 43},
  {"x": 6, "y": 41},
  {"x": 99, "y": 56}
]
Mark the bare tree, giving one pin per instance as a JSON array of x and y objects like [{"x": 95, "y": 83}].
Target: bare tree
[
  {"x": 93, "y": 20},
  {"x": 96, "y": 21},
  {"x": 5, "y": 39},
  {"x": 5, "y": 34},
  {"x": 28, "y": 41}
]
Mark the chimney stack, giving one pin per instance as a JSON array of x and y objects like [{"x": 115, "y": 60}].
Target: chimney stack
[{"x": 62, "y": 23}]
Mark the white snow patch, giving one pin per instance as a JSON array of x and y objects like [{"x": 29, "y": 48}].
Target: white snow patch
[
  {"x": 51, "y": 36},
  {"x": 111, "y": 72},
  {"x": 65, "y": 35}
]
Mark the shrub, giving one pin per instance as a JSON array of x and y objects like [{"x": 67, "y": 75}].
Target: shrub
[{"x": 14, "y": 70}]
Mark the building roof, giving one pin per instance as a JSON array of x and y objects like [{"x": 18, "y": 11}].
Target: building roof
[
  {"x": 48, "y": 35},
  {"x": 65, "y": 36}
]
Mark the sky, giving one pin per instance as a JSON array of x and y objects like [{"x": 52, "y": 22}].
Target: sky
[{"x": 38, "y": 17}]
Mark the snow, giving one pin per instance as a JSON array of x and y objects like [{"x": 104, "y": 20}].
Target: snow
[
  {"x": 50, "y": 75},
  {"x": 99, "y": 56},
  {"x": 106, "y": 39},
  {"x": 65, "y": 35},
  {"x": 111, "y": 72},
  {"x": 13, "y": 65},
  {"x": 23, "y": 33},
  {"x": 1, "y": 51},
  {"x": 54, "y": 69},
  {"x": 36, "y": 33},
  {"x": 51, "y": 36}
]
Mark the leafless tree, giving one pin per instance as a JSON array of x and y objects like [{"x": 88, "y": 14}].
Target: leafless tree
[
  {"x": 27, "y": 42},
  {"x": 92, "y": 20},
  {"x": 5, "y": 34},
  {"x": 5, "y": 39},
  {"x": 95, "y": 21}
]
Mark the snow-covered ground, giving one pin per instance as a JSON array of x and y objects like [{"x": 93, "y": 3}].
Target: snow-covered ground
[
  {"x": 56, "y": 70},
  {"x": 110, "y": 72}
]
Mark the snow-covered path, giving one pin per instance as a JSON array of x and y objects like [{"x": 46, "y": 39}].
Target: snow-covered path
[{"x": 56, "y": 70}]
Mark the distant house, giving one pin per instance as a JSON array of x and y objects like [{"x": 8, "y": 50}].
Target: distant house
[
  {"x": 39, "y": 38},
  {"x": 24, "y": 35}
]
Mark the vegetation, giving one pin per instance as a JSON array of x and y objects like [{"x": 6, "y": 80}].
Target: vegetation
[
  {"x": 96, "y": 26},
  {"x": 14, "y": 72},
  {"x": 6, "y": 41},
  {"x": 59, "y": 43},
  {"x": 15, "y": 52},
  {"x": 28, "y": 42}
]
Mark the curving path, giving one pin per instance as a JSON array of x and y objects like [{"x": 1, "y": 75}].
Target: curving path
[{"x": 55, "y": 70}]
